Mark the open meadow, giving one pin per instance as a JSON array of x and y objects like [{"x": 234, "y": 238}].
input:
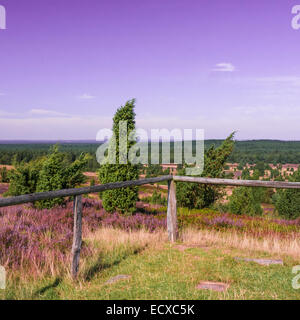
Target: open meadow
[{"x": 129, "y": 257}]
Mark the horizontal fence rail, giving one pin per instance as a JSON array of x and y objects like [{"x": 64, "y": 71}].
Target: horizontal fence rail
[
  {"x": 6, "y": 202},
  {"x": 241, "y": 183},
  {"x": 171, "y": 210}
]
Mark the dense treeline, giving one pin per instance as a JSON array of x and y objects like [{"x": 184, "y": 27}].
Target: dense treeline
[
  {"x": 267, "y": 151},
  {"x": 17, "y": 153}
]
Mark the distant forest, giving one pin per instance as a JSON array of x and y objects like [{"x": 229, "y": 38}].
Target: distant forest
[{"x": 268, "y": 151}]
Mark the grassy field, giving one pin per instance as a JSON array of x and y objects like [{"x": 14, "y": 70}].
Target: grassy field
[
  {"x": 35, "y": 250},
  {"x": 160, "y": 270}
]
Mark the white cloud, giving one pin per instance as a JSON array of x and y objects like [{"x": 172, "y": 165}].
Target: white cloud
[
  {"x": 48, "y": 113},
  {"x": 2, "y": 94},
  {"x": 224, "y": 67},
  {"x": 86, "y": 96}
]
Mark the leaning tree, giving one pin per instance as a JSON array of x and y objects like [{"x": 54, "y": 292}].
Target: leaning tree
[{"x": 124, "y": 199}]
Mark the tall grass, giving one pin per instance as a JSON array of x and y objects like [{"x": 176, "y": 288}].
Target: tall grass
[
  {"x": 38, "y": 242},
  {"x": 237, "y": 240},
  {"x": 258, "y": 227}
]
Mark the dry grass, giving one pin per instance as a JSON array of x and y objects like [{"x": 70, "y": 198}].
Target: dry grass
[
  {"x": 288, "y": 247},
  {"x": 107, "y": 244},
  {"x": 158, "y": 270},
  {"x": 106, "y": 241},
  {"x": 102, "y": 243},
  {"x": 112, "y": 238}
]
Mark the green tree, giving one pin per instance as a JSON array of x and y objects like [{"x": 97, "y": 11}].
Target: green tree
[
  {"x": 47, "y": 174},
  {"x": 24, "y": 178},
  {"x": 124, "y": 199},
  {"x": 4, "y": 175},
  {"x": 154, "y": 170},
  {"x": 57, "y": 173},
  {"x": 246, "y": 174},
  {"x": 240, "y": 166},
  {"x": 287, "y": 201},
  {"x": 260, "y": 167},
  {"x": 194, "y": 195},
  {"x": 246, "y": 200}
]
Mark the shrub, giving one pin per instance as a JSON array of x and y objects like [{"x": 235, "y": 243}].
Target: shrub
[
  {"x": 287, "y": 201},
  {"x": 24, "y": 179},
  {"x": 4, "y": 175},
  {"x": 245, "y": 200},
  {"x": 47, "y": 174},
  {"x": 194, "y": 195},
  {"x": 124, "y": 199},
  {"x": 156, "y": 198},
  {"x": 56, "y": 174}
]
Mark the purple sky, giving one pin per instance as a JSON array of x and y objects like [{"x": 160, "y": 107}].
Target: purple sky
[{"x": 66, "y": 65}]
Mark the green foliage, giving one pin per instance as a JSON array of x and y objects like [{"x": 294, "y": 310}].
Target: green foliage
[
  {"x": 241, "y": 166},
  {"x": 24, "y": 179},
  {"x": 260, "y": 167},
  {"x": 156, "y": 198},
  {"x": 245, "y": 200},
  {"x": 193, "y": 195},
  {"x": 253, "y": 151},
  {"x": 154, "y": 170},
  {"x": 124, "y": 199},
  {"x": 246, "y": 174},
  {"x": 47, "y": 174},
  {"x": 24, "y": 153},
  {"x": 57, "y": 174},
  {"x": 229, "y": 175},
  {"x": 4, "y": 175},
  {"x": 287, "y": 201}
]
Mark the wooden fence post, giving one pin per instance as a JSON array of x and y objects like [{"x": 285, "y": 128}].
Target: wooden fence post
[
  {"x": 172, "y": 212},
  {"x": 77, "y": 235}
]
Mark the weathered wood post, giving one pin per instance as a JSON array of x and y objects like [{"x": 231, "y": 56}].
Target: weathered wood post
[
  {"x": 172, "y": 212},
  {"x": 77, "y": 235}
]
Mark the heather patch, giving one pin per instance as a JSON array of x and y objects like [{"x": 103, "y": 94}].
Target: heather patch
[
  {"x": 31, "y": 237},
  {"x": 255, "y": 226}
]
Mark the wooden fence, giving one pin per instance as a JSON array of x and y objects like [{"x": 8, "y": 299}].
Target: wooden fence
[{"x": 171, "y": 210}]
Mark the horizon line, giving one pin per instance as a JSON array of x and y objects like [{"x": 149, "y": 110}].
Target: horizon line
[{"x": 3, "y": 141}]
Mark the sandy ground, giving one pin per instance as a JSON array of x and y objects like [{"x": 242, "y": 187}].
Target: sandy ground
[
  {"x": 91, "y": 174},
  {"x": 7, "y": 167}
]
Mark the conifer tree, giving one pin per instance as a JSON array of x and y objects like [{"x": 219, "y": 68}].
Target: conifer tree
[
  {"x": 56, "y": 173},
  {"x": 197, "y": 196},
  {"x": 124, "y": 199}
]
